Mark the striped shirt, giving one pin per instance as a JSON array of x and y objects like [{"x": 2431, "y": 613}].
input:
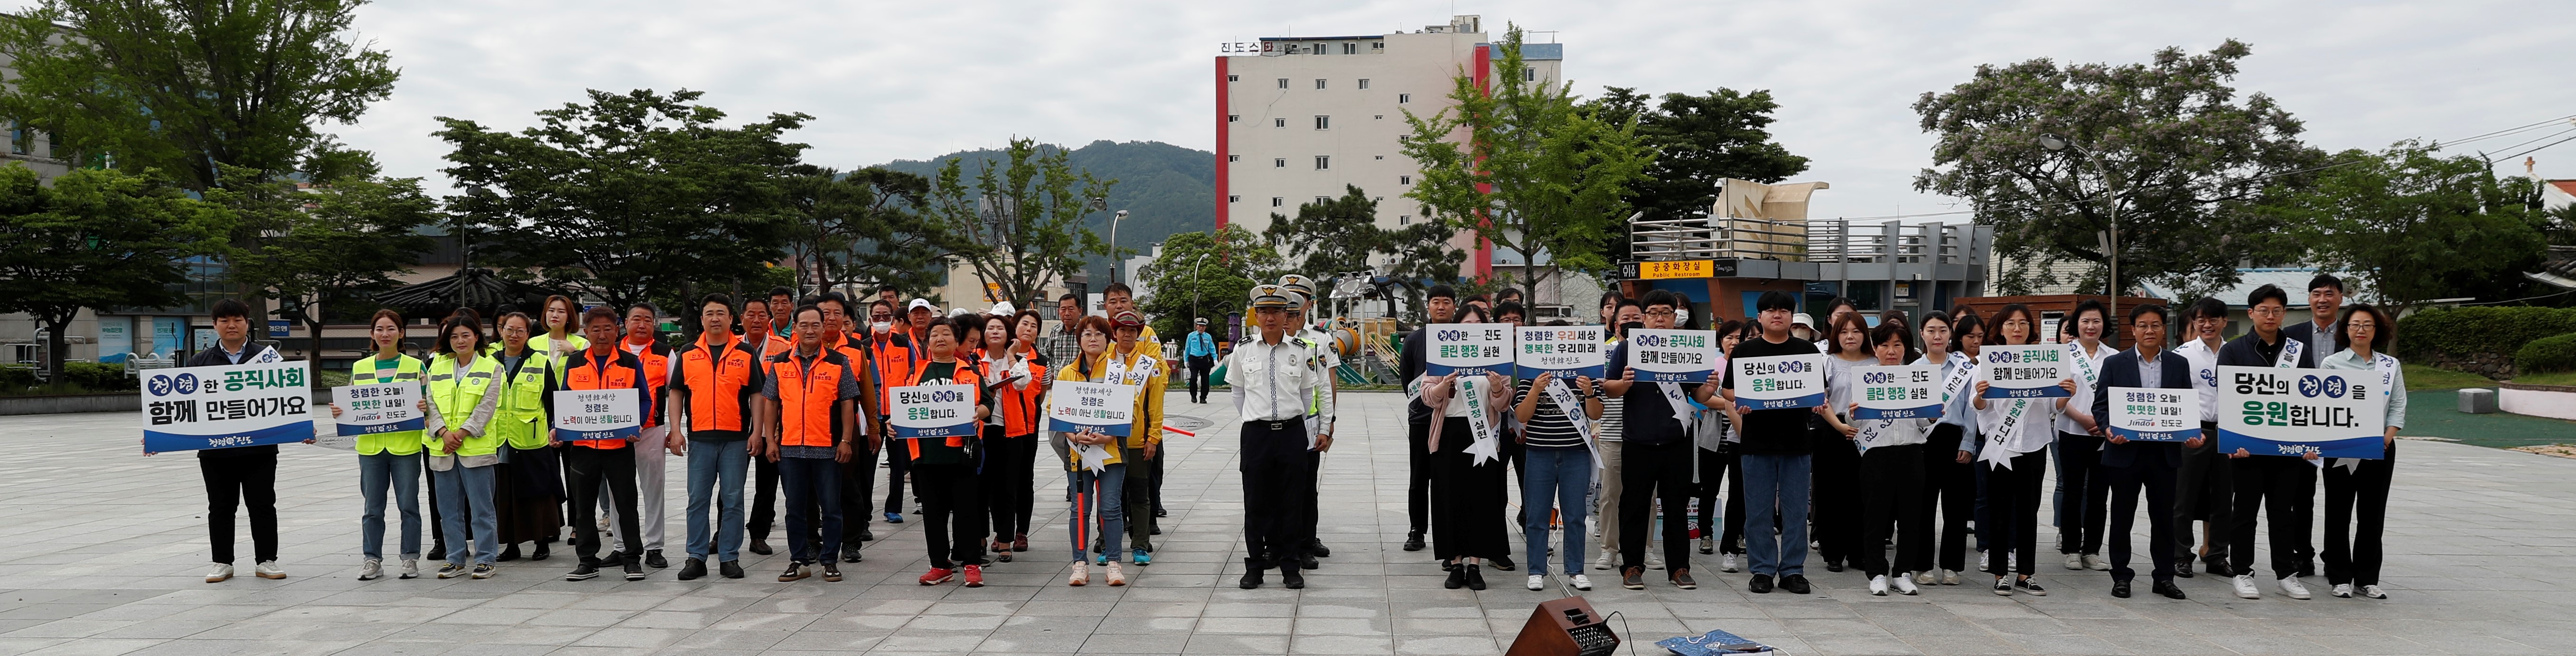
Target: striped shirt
[{"x": 1548, "y": 426}]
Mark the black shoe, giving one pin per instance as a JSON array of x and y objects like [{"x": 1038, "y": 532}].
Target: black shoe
[
  {"x": 1761, "y": 584},
  {"x": 1307, "y": 561},
  {"x": 1292, "y": 579},
  {"x": 1158, "y": 512},
  {"x": 2216, "y": 567},
  {"x": 1317, "y": 548},
  {"x": 831, "y": 571},
  {"x": 1795, "y": 584},
  {"x": 2030, "y": 586},
  {"x": 2168, "y": 589},
  {"x": 508, "y": 553},
  {"x": 634, "y": 571},
  {"x": 653, "y": 559},
  {"x": 1413, "y": 541},
  {"x": 849, "y": 553},
  {"x": 1833, "y": 566},
  {"x": 542, "y": 552},
  {"x": 2182, "y": 570},
  {"x": 1156, "y": 530},
  {"x": 1251, "y": 574},
  {"x": 1501, "y": 563},
  {"x": 613, "y": 559},
  {"x": 866, "y": 535},
  {"x": 693, "y": 569},
  {"x": 2120, "y": 589},
  {"x": 795, "y": 571},
  {"x": 760, "y": 546},
  {"x": 1475, "y": 577},
  {"x": 1681, "y": 578},
  {"x": 1632, "y": 577},
  {"x": 582, "y": 572},
  {"x": 1447, "y": 565},
  {"x": 730, "y": 569},
  {"x": 1457, "y": 578}
]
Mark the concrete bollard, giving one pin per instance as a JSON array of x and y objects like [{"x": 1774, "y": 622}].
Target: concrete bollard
[{"x": 2477, "y": 400}]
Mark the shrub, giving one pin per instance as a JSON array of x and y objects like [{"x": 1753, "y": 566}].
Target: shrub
[
  {"x": 15, "y": 377},
  {"x": 2546, "y": 355},
  {"x": 2474, "y": 330},
  {"x": 97, "y": 377}
]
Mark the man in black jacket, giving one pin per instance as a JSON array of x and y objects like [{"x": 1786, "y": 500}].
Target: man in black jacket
[
  {"x": 2132, "y": 464},
  {"x": 1442, "y": 302},
  {"x": 2325, "y": 301},
  {"x": 2272, "y": 484},
  {"x": 238, "y": 476}
]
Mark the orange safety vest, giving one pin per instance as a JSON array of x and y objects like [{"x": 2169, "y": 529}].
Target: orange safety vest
[
  {"x": 806, "y": 398},
  {"x": 968, "y": 375},
  {"x": 895, "y": 364},
  {"x": 717, "y": 390},
  {"x": 1021, "y": 408},
  {"x": 583, "y": 372},
  {"x": 656, "y": 360}
]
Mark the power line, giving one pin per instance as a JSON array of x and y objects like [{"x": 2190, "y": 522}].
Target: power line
[
  {"x": 2506, "y": 131},
  {"x": 2546, "y": 145},
  {"x": 2536, "y": 139}
]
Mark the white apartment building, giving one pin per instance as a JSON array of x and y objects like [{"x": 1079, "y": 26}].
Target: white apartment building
[{"x": 1297, "y": 118}]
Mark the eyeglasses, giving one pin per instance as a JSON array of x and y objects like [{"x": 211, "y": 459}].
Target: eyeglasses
[{"x": 1666, "y": 312}]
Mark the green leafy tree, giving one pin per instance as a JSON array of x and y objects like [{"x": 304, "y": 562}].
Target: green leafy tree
[
  {"x": 97, "y": 239},
  {"x": 630, "y": 197},
  {"x": 1534, "y": 174},
  {"x": 1333, "y": 237},
  {"x": 330, "y": 248},
  {"x": 1024, "y": 218},
  {"x": 1204, "y": 274},
  {"x": 865, "y": 226},
  {"x": 2418, "y": 226},
  {"x": 188, "y": 86},
  {"x": 2182, "y": 157},
  {"x": 1699, "y": 140}
]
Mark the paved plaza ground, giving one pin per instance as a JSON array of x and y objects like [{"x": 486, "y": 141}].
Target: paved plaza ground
[{"x": 102, "y": 551}]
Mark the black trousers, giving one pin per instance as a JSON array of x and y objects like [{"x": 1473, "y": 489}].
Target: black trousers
[
  {"x": 1137, "y": 497},
  {"x": 1950, "y": 487},
  {"x": 1417, "y": 489},
  {"x": 2273, "y": 486},
  {"x": 1466, "y": 499},
  {"x": 2352, "y": 541},
  {"x": 589, "y": 467},
  {"x": 2081, "y": 511},
  {"x": 1649, "y": 473},
  {"x": 898, "y": 464},
  {"x": 1732, "y": 541},
  {"x": 1010, "y": 474},
  {"x": 2205, "y": 490},
  {"x": 1712, "y": 479},
  {"x": 1308, "y": 510},
  {"x": 2012, "y": 507},
  {"x": 952, "y": 513},
  {"x": 1154, "y": 477},
  {"x": 1276, "y": 480},
  {"x": 1892, "y": 499},
  {"x": 856, "y": 489},
  {"x": 233, "y": 479},
  {"x": 764, "y": 498},
  {"x": 1199, "y": 366},
  {"x": 1835, "y": 496},
  {"x": 2152, "y": 476}
]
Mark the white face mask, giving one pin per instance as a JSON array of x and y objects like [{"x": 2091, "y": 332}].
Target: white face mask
[{"x": 883, "y": 326}]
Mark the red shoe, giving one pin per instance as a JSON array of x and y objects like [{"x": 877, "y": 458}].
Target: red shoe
[
  {"x": 937, "y": 576},
  {"x": 974, "y": 576}
]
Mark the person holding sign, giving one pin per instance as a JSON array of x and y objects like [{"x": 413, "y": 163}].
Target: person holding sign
[
  {"x": 1467, "y": 479},
  {"x": 244, "y": 475},
  {"x": 813, "y": 392},
  {"x": 591, "y": 464},
  {"x": 644, "y": 340},
  {"x": 1009, "y": 358},
  {"x": 1949, "y": 484},
  {"x": 1440, "y": 305},
  {"x": 1891, "y": 461},
  {"x": 1280, "y": 383},
  {"x": 1138, "y": 363},
  {"x": 1657, "y": 454},
  {"x": 2015, "y": 454},
  {"x": 1717, "y": 440},
  {"x": 2205, "y": 488},
  {"x": 388, "y": 461},
  {"x": 1559, "y": 465},
  {"x": 1775, "y": 459},
  {"x": 2352, "y": 559},
  {"x": 527, "y": 490},
  {"x": 1095, "y": 462},
  {"x": 462, "y": 453},
  {"x": 944, "y": 467},
  {"x": 1836, "y": 477},
  {"x": 713, "y": 382},
  {"x": 2271, "y": 484},
  {"x": 2080, "y": 484},
  {"x": 2133, "y": 459}
]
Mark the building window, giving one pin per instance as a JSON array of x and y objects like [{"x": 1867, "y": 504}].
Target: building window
[
  {"x": 1323, "y": 162},
  {"x": 1230, "y": 118},
  {"x": 18, "y": 141},
  {"x": 1403, "y": 219},
  {"x": 1234, "y": 158},
  {"x": 1283, "y": 83},
  {"x": 1319, "y": 83},
  {"x": 1279, "y": 163},
  {"x": 1403, "y": 98},
  {"x": 1529, "y": 74},
  {"x": 1234, "y": 78},
  {"x": 1381, "y": 117},
  {"x": 1404, "y": 179},
  {"x": 1323, "y": 122},
  {"x": 1234, "y": 199},
  {"x": 1280, "y": 122},
  {"x": 1363, "y": 83},
  {"x": 1276, "y": 201},
  {"x": 1350, "y": 48},
  {"x": 1320, "y": 200},
  {"x": 1377, "y": 45},
  {"x": 1381, "y": 157}
]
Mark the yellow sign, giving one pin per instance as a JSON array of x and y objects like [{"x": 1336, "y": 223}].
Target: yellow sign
[
  {"x": 1676, "y": 269},
  {"x": 992, "y": 292}
]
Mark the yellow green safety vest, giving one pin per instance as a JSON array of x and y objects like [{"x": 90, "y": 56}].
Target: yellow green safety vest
[
  {"x": 456, "y": 394},
  {"x": 554, "y": 361},
  {"x": 520, "y": 418},
  {"x": 405, "y": 369}
]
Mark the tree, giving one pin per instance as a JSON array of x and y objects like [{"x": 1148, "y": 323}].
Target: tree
[
  {"x": 1533, "y": 174},
  {"x": 865, "y": 226},
  {"x": 2187, "y": 166},
  {"x": 1024, "y": 218},
  {"x": 632, "y": 196},
  {"x": 331, "y": 248},
  {"x": 1200, "y": 274},
  {"x": 1332, "y": 237},
  {"x": 1699, "y": 140},
  {"x": 187, "y": 86},
  {"x": 96, "y": 239},
  {"x": 2418, "y": 226}
]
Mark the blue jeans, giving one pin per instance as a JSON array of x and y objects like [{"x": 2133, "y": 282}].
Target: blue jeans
[
  {"x": 1561, "y": 475},
  {"x": 378, "y": 474},
  {"x": 1776, "y": 484},
  {"x": 720, "y": 465},
  {"x": 466, "y": 492},
  {"x": 1102, "y": 494},
  {"x": 811, "y": 482}
]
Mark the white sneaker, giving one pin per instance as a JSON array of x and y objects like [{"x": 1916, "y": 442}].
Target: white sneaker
[
  {"x": 1081, "y": 574},
  {"x": 1538, "y": 582},
  {"x": 1949, "y": 577},
  {"x": 269, "y": 570},
  {"x": 1904, "y": 585},
  {"x": 1726, "y": 564},
  {"x": 1878, "y": 585},
  {"x": 1927, "y": 578},
  {"x": 2372, "y": 591},
  {"x": 2096, "y": 563},
  {"x": 1604, "y": 561},
  {"x": 2245, "y": 587},
  {"x": 2075, "y": 561},
  {"x": 372, "y": 569},
  {"x": 1654, "y": 560},
  {"x": 222, "y": 572},
  {"x": 411, "y": 568},
  {"x": 1981, "y": 562},
  {"x": 2342, "y": 591},
  {"x": 1582, "y": 582},
  {"x": 2291, "y": 585},
  {"x": 1118, "y": 576}
]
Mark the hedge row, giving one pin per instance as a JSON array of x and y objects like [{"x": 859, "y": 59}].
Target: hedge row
[
  {"x": 2547, "y": 354},
  {"x": 2464, "y": 331},
  {"x": 90, "y": 376}
]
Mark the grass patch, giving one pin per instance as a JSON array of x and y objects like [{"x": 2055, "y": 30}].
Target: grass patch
[
  {"x": 2421, "y": 377},
  {"x": 2554, "y": 378}
]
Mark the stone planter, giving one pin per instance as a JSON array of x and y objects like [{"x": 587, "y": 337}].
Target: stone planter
[
  {"x": 2554, "y": 401},
  {"x": 46, "y": 405}
]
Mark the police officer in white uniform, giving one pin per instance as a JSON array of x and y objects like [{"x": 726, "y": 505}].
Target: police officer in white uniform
[
  {"x": 1279, "y": 385},
  {"x": 1301, "y": 292}
]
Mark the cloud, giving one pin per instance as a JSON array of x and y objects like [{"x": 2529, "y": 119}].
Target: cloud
[{"x": 889, "y": 80}]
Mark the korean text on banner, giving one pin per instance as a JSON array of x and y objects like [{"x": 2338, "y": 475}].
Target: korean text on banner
[
  {"x": 1779, "y": 382},
  {"x": 226, "y": 406},
  {"x": 2030, "y": 371},
  {"x": 2154, "y": 414},
  {"x": 1471, "y": 349},
  {"x": 1675, "y": 356},
  {"x": 1567, "y": 351},
  {"x": 380, "y": 408},
  {"x": 932, "y": 411},
  {"x": 2270, "y": 411},
  {"x": 1074, "y": 405},
  {"x": 1899, "y": 392},
  {"x": 601, "y": 414}
]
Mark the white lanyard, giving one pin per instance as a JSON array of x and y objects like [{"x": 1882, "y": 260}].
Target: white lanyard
[{"x": 2290, "y": 349}]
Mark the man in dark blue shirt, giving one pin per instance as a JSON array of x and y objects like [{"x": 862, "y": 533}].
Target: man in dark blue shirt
[{"x": 1657, "y": 455}]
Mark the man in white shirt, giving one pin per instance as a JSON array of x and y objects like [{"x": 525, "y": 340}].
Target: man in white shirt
[
  {"x": 1279, "y": 384},
  {"x": 2206, "y": 485}
]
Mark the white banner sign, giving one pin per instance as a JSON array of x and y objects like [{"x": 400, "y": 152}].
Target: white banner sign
[
  {"x": 932, "y": 411},
  {"x": 2270, "y": 411},
  {"x": 1473, "y": 349},
  {"x": 1899, "y": 392},
  {"x": 1568, "y": 351},
  {"x": 2023, "y": 372},
  {"x": 601, "y": 414},
  {"x": 226, "y": 406},
  {"x": 1780, "y": 381},
  {"x": 1675, "y": 356},
  {"x": 380, "y": 408},
  {"x": 2154, "y": 414},
  {"x": 1075, "y": 405}
]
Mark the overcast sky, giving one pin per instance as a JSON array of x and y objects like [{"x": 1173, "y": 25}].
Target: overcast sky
[{"x": 887, "y": 80}]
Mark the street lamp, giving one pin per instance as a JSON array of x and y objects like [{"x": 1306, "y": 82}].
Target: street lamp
[
  {"x": 1195, "y": 264},
  {"x": 1098, "y": 203},
  {"x": 2111, "y": 193}
]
